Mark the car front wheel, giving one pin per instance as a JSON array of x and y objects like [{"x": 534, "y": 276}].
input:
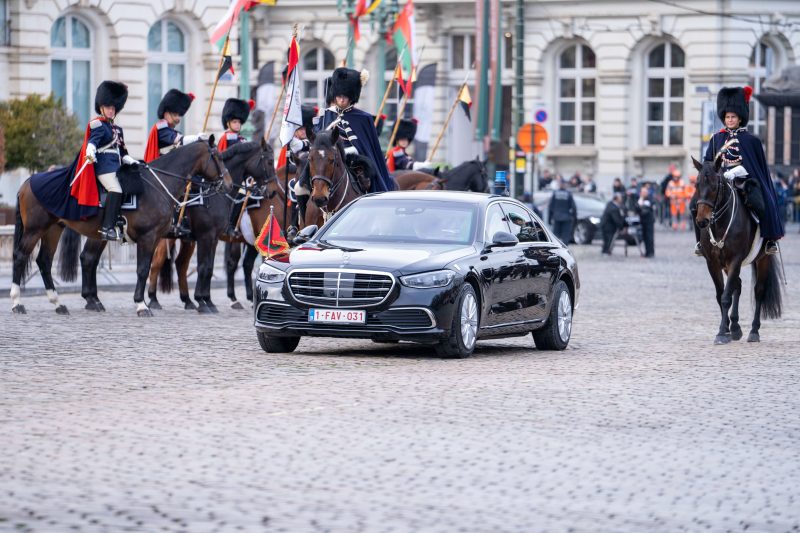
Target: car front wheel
[
  {"x": 464, "y": 329},
  {"x": 277, "y": 344},
  {"x": 557, "y": 330}
]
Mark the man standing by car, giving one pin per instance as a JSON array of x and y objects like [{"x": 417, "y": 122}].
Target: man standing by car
[
  {"x": 612, "y": 221},
  {"x": 644, "y": 207},
  {"x": 562, "y": 211}
]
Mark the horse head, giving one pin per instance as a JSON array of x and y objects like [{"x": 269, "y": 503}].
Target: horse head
[
  {"x": 326, "y": 166},
  {"x": 709, "y": 186},
  {"x": 209, "y": 164}
]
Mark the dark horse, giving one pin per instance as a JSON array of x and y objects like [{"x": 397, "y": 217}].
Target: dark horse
[
  {"x": 208, "y": 221},
  {"x": 333, "y": 186},
  {"x": 727, "y": 233},
  {"x": 163, "y": 180},
  {"x": 468, "y": 176}
]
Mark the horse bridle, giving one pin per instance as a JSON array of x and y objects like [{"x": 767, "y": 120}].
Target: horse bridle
[
  {"x": 333, "y": 187},
  {"x": 717, "y": 214},
  {"x": 216, "y": 187}
]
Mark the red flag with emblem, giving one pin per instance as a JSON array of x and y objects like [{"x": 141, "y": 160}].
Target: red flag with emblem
[{"x": 271, "y": 242}]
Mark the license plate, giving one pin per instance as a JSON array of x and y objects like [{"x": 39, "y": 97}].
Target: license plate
[{"x": 337, "y": 316}]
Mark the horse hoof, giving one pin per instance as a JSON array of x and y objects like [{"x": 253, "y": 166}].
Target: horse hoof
[
  {"x": 722, "y": 339},
  {"x": 189, "y": 305},
  {"x": 237, "y": 306},
  {"x": 736, "y": 334},
  {"x": 212, "y": 307},
  {"x": 19, "y": 309},
  {"x": 754, "y": 337},
  {"x": 153, "y": 304},
  {"x": 100, "y": 306},
  {"x": 62, "y": 310},
  {"x": 91, "y": 305},
  {"x": 203, "y": 308},
  {"x": 145, "y": 313}
]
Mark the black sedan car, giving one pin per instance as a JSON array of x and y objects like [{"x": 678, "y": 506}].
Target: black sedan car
[{"x": 435, "y": 267}]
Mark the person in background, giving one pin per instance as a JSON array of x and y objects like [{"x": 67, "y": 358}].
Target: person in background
[
  {"x": 589, "y": 186},
  {"x": 618, "y": 187},
  {"x": 612, "y": 221},
  {"x": 562, "y": 211},
  {"x": 527, "y": 199},
  {"x": 546, "y": 179},
  {"x": 647, "y": 218},
  {"x": 794, "y": 193},
  {"x": 575, "y": 181}
]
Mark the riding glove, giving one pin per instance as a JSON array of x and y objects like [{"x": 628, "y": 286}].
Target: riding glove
[
  {"x": 736, "y": 172},
  {"x": 91, "y": 152},
  {"x": 128, "y": 160}
]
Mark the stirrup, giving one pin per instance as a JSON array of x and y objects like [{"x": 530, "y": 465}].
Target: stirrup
[
  {"x": 697, "y": 250},
  {"x": 232, "y": 232},
  {"x": 109, "y": 234},
  {"x": 771, "y": 248}
]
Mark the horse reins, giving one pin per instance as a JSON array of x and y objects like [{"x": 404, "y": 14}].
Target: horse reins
[
  {"x": 715, "y": 215},
  {"x": 333, "y": 188}
]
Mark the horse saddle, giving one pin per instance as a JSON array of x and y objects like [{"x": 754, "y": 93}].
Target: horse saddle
[{"x": 362, "y": 169}]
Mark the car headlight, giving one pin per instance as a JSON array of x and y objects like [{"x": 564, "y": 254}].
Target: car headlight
[
  {"x": 594, "y": 220},
  {"x": 270, "y": 274},
  {"x": 428, "y": 280}
]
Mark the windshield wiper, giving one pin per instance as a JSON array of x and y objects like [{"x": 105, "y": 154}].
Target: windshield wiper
[{"x": 325, "y": 245}]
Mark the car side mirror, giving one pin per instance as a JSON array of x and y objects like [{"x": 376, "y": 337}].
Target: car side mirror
[
  {"x": 503, "y": 239},
  {"x": 305, "y": 234}
]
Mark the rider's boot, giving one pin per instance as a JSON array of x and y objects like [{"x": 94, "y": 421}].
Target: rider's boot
[
  {"x": 302, "y": 201},
  {"x": 754, "y": 200},
  {"x": 232, "y": 231},
  {"x": 180, "y": 229},
  {"x": 109, "y": 229}
]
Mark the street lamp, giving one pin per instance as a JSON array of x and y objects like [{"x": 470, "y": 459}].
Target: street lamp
[
  {"x": 383, "y": 17},
  {"x": 348, "y": 10}
]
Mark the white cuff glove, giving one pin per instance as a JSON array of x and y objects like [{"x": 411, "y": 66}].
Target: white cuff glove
[
  {"x": 295, "y": 145},
  {"x": 351, "y": 150},
  {"x": 91, "y": 152},
  {"x": 735, "y": 172},
  {"x": 189, "y": 139},
  {"x": 421, "y": 164},
  {"x": 128, "y": 160}
]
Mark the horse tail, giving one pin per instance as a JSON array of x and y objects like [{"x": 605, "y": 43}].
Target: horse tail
[
  {"x": 68, "y": 254},
  {"x": 165, "y": 274},
  {"x": 19, "y": 229},
  {"x": 772, "y": 302}
]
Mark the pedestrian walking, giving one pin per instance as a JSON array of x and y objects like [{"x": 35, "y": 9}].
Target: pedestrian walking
[
  {"x": 562, "y": 211},
  {"x": 647, "y": 219},
  {"x": 612, "y": 221}
]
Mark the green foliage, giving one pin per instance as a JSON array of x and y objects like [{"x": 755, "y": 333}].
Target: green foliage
[
  {"x": 2, "y": 149},
  {"x": 39, "y": 132}
]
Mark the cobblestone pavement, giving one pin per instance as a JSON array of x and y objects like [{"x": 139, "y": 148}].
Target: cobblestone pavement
[{"x": 182, "y": 423}]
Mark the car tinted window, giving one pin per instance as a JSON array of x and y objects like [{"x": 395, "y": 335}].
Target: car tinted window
[
  {"x": 523, "y": 225},
  {"x": 495, "y": 221},
  {"x": 423, "y": 221}
]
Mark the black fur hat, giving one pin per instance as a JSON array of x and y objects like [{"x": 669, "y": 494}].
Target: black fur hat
[
  {"x": 308, "y": 112},
  {"x": 175, "y": 101},
  {"x": 235, "y": 108},
  {"x": 327, "y": 91},
  {"x": 348, "y": 82},
  {"x": 734, "y": 100},
  {"x": 111, "y": 93},
  {"x": 406, "y": 130}
]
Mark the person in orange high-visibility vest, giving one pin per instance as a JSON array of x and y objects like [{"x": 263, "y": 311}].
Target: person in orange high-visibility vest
[{"x": 676, "y": 194}]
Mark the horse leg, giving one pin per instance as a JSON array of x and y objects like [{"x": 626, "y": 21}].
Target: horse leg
[
  {"x": 760, "y": 286},
  {"x": 249, "y": 260},
  {"x": 44, "y": 260},
  {"x": 159, "y": 258},
  {"x": 206, "y": 247},
  {"x": 736, "y": 329},
  {"x": 233, "y": 251},
  {"x": 182, "y": 267},
  {"x": 90, "y": 259},
  {"x": 145, "y": 245},
  {"x": 718, "y": 279},
  {"x": 724, "y": 334}
]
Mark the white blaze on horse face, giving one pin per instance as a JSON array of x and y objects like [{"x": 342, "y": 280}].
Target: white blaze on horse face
[
  {"x": 321, "y": 153},
  {"x": 15, "y": 292}
]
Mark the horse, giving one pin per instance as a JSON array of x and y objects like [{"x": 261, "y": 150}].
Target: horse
[
  {"x": 162, "y": 182},
  {"x": 412, "y": 180},
  {"x": 727, "y": 234},
  {"x": 468, "y": 176},
  {"x": 208, "y": 224},
  {"x": 333, "y": 186}
]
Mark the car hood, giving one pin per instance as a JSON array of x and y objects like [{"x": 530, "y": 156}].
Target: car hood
[{"x": 404, "y": 258}]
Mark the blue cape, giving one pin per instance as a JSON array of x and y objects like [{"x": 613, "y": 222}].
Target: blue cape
[
  {"x": 755, "y": 163},
  {"x": 52, "y": 189},
  {"x": 364, "y": 138}
]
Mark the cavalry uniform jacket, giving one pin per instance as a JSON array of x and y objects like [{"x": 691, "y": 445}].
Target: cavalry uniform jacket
[
  {"x": 107, "y": 138},
  {"x": 746, "y": 150},
  {"x": 229, "y": 138},
  {"x": 399, "y": 160},
  {"x": 162, "y": 139}
]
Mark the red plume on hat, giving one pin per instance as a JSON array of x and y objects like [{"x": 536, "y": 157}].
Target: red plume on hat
[
  {"x": 191, "y": 96},
  {"x": 252, "y": 104},
  {"x": 748, "y": 92}
]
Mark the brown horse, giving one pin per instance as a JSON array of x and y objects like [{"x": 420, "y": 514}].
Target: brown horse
[
  {"x": 412, "y": 180},
  {"x": 332, "y": 185},
  {"x": 163, "y": 180},
  {"x": 727, "y": 233}
]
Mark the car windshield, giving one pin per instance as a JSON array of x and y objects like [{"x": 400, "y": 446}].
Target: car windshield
[{"x": 418, "y": 221}]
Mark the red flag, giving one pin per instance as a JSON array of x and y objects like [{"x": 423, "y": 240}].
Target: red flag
[
  {"x": 271, "y": 242},
  {"x": 282, "y": 158}
]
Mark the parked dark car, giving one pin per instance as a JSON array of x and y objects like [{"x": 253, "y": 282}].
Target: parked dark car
[
  {"x": 590, "y": 209},
  {"x": 435, "y": 267}
]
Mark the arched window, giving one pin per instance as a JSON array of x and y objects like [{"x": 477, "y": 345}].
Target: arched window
[
  {"x": 665, "y": 79},
  {"x": 762, "y": 65},
  {"x": 318, "y": 64},
  {"x": 166, "y": 64},
  {"x": 576, "y": 95},
  {"x": 70, "y": 65}
]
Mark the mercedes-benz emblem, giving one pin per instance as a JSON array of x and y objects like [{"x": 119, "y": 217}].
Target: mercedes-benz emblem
[{"x": 345, "y": 258}]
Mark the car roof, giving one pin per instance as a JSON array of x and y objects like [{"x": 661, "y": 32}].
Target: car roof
[{"x": 465, "y": 197}]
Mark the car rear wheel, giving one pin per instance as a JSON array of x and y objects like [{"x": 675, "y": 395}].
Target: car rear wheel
[
  {"x": 584, "y": 232},
  {"x": 277, "y": 344},
  {"x": 464, "y": 329},
  {"x": 557, "y": 331}
]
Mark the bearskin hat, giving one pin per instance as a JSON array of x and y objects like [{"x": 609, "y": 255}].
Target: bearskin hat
[
  {"x": 406, "y": 130},
  {"x": 381, "y": 122},
  {"x": 734, "y": 100},
  {"x": 327, "y": 91},
  {"x": 235, "y": 108},
  {"x": 348, "y": 82},
  {"x": 308, "y": 112},
  {"x": 175, "y": 101},
  {"x": 111, "y": 93}
]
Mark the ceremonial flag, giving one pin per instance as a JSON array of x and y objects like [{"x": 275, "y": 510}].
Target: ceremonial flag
[
  {"x": 403, "y": 38},
  {"x": 363, "y": 7},
  {"x": 223, "y": 27},
  {"x": 292, "y": 114},
  {"x": 282, "y": 158},
  {"x": 465, "y": 100},
  {"x": 252, "y": 3},
  {"x": 270, "y": 241},
  {"x": 227, "y": 61}
]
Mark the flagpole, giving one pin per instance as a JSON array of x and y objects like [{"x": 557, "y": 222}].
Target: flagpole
[
  {"x": 447, "y": 120},
  {"x": 275, "y": 111},
  {"x": 269, "y": 230},
  {"x": 216, "y": 77},
  {"x": 386, "y": 95},
  {"x": 399, "y": 116}
]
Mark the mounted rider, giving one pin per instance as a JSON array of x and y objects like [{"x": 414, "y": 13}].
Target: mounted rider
[
  {"x": 397, "y": 158},
  {"x": 235, "y": 113},
  {"x": 745, "y": 164},
  {"x": 297, "y": 157},
  {"x": 102, "y": 154}
]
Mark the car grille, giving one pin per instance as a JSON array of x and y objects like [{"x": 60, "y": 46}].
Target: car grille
[
  {"x": 401, "y": 318},
  {"x": 340, "y": 288}
]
